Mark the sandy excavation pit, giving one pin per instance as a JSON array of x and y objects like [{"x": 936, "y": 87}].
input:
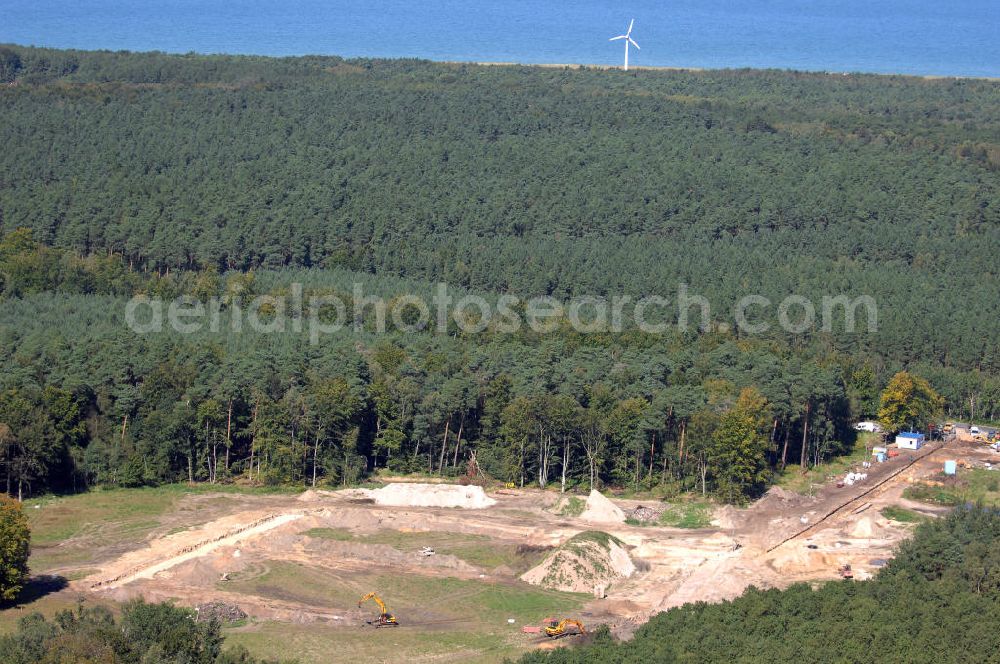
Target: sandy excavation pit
[{"x": 307, "y": 559}]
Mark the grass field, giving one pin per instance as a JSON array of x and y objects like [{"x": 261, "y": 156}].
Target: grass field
[
  {"x": 335, "y": 534},
  {"x": 687, "y": 515},
  {"x": 465, "y": 620},
  {"x": 694, "y": 514},
  {"x": 902, "y": 515},
  {"x": 309, "y": 643},
  {"x": 431, "y": 598}
]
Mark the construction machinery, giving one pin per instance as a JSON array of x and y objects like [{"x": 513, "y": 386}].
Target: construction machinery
[
  {"x": 558, "y": 630},
  {"x": 846, "y": 572},
  {"x": 385, "y": 619}
]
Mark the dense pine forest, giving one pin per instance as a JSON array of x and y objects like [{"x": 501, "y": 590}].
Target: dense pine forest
[{"x": 124, "y": 174}]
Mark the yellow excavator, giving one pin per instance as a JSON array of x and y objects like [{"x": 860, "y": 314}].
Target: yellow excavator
[
  {"x": 558, "y": 630},
  {"x": 385, "y": 619}
]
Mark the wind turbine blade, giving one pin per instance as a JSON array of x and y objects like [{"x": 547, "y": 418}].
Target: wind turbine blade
[
  {"x": 631, "y": 23},
  {"x": 618, "y": 37},
  {"x": 633, "y": 43}
]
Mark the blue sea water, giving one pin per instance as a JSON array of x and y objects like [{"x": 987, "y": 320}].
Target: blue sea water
[{"x": 934, "y": 37}]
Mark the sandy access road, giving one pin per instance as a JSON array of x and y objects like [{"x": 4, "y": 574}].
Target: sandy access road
[{"x": 147, "y": 563}]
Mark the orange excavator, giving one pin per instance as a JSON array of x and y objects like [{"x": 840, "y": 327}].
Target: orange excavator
[
  {"x": 559, "y": 630},
  {"x": 385, "y": 619}
]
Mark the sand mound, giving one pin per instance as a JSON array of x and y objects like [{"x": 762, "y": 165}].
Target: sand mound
[
  {"x": 601, "y": 510},
  {"x": 866, "y": 528},
  {"x": 316, "y": 495},
  {"x": 585, "y": 560},
  {"x": 431, "y": 495},
  {"x": 726, "y": 516},
  {"x": 204, "y": 572}
]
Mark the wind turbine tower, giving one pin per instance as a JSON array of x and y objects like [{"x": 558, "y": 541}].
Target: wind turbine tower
[{"x": 628, "y": 40}]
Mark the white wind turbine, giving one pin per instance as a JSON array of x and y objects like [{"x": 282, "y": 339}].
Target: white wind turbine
[{"x": 628, "y": 40}]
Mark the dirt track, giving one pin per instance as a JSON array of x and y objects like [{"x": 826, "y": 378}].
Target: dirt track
[{"x": 147, "y": 563}]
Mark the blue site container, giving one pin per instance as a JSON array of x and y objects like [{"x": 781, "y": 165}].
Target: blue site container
[
  {"x": 950, "y": 467},
  {"x": 880, "y": 457}
]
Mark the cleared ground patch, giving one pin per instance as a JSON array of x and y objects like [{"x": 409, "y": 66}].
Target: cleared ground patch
[
  {"x": 74, "y": 530},
  {"x": 296, "y": 583},
  {"x": 335, "y": 534},
  {"x": 975, "y": 485},
  {"x": 793, "y": 478},
  {"x": 478, "y": 550},
  {"x": 84, "y": 529}
]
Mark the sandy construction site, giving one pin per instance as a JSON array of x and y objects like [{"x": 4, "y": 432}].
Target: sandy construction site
[{"x": 457, "y": 559}]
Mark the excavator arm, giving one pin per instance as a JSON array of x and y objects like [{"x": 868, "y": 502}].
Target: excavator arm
[
  {"x": 560, "y": 629},
  {"x": 385, "y": 619},
  {"x": 381, "y": 604}
]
